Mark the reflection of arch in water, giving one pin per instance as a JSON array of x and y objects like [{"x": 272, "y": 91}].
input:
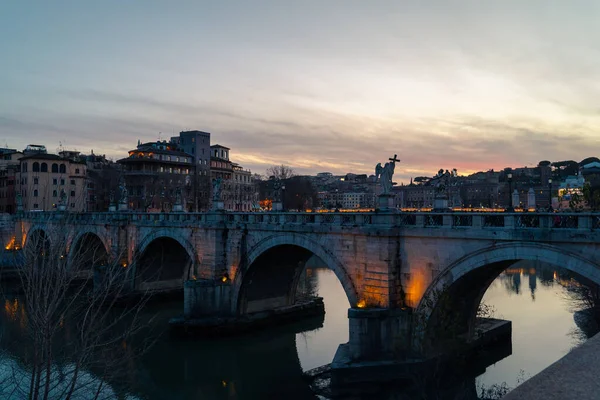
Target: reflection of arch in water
[
  {"x": 449, "y": 306},
  {"x": 257, "y": 366},
  {"x": 269, "y": 276},
  {"x": 162, "y": 263}
]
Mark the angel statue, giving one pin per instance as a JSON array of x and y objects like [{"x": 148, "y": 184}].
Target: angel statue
[
  {"x": 384, "y": 174},
  {"x": 216, "y": 189}
]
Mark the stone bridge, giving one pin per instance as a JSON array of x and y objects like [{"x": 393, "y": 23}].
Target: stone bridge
[{"x": 395, "y": 267}]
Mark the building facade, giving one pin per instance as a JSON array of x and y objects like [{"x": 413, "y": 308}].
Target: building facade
[
  {"x": 103, "y": 178},
  {"x": 9, "y": 168},
  {"x": 154, "y": 174},
  {"x": 47, "y": 180},
  {"x": 197, "y": 144}
]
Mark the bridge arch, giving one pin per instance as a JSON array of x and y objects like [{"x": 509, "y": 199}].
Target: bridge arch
[
  {"x": 89, "y": 249},
  {"x": 38, "y": 236},
  {"x": 258, "y": 265},
  {"x": 162, "y": 260},
  {"x": 458, "y": 290}
]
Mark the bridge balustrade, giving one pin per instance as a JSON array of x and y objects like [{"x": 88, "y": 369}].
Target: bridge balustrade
[
  {"x": 434, "y": 220},
  {"x": 462, "y": 220},
  {"x": 408, "y": 220},
  {"x": 526, "y": 221},
  {"x": 446, "y": 220},
  {"x": 308, "y": 218},
  {"x": 495, "y": 221},
  {"x": 326, "y": 218}
]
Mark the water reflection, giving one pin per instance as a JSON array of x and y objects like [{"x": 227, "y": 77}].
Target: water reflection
[
  {"x": 549, "y": 308},
  {"x": 542, "y": 314}
]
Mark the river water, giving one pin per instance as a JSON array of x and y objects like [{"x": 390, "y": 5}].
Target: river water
[{"x": 268, "y": 365}]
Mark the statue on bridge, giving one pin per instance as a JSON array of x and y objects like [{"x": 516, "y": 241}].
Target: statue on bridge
[
  {"x": 277, "y": 190},
  {"x": 124, "y": 193},
  {"x": 384, "y": 174},
  {"x": 63, "y": 197},
  {"x": 178, "y": 199},
  {"x": 216, "y": 186}
]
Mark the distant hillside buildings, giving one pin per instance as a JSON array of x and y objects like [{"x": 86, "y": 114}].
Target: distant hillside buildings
[{"x": 159, "y": 174}]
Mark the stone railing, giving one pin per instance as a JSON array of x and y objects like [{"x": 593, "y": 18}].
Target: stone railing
[{"x": 451, "y": 220}]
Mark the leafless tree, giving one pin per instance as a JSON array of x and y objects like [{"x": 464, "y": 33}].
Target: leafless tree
[
  {"x": 280, "y": 172},
  {"x": 75, "y": 329}
]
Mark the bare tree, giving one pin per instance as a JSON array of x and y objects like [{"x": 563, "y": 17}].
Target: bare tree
[
  {"x": 76, "y": 328},
  {"x": 280, "y": 172}
]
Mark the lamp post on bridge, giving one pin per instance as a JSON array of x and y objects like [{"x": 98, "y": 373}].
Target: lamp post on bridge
[
  {"x": 550, "y": 194},
  {"x": 510, "y": 204}
]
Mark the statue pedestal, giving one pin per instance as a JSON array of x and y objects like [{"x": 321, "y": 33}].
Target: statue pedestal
[
  {"x": 386, "y": 202},
  {"x": 218, "y": 206},
  {"x": 122, "y": 206},
  {"x": 277, "y": 206},
  {"x": 440, "y": 203},
  {"x": 515, "y": 200},
  {"x": 531, "y": 198},
  {"x": 112, "y": 208},
  {"x": 62, "y": 207},
  {"x": 177, "y": 208}
]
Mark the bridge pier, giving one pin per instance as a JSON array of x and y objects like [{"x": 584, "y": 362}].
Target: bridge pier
[
  {"x": 206, "y": 297},
  {"x": 378, "y": 333},
  {"x": 375, "y": 335}
]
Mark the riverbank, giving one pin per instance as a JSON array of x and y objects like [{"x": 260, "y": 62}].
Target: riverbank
[{"x": 573, "y": 377}]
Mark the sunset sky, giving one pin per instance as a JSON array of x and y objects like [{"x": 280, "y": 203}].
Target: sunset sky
[{"x": 320, "y": 85}]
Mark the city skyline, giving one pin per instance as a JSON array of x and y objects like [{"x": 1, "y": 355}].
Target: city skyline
[{"x": 331, "y": 87}]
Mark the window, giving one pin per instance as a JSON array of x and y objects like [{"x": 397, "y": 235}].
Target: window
[
  {"x": 35, "y": 193},
  {"x": 76, "y": 170},
  {"x": 44, "y": 167},
  {"x": 35, "y": 206},
  {"x": 24, "y": 167},
  {"x": 72, "y": 193},
  {"x": 62, "y": 182},
  {"x": 54, "y": 193},
  {"x": 72, "y": 181},
  {"x": 55, "y": 168},
  {"x": 72, "y": 205},
  {"x": 36, "y": 167},
  {"x": 63, "y": 169},
  {"x": 35, "y": 181},
  {"x": 55, "y": 181}
]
